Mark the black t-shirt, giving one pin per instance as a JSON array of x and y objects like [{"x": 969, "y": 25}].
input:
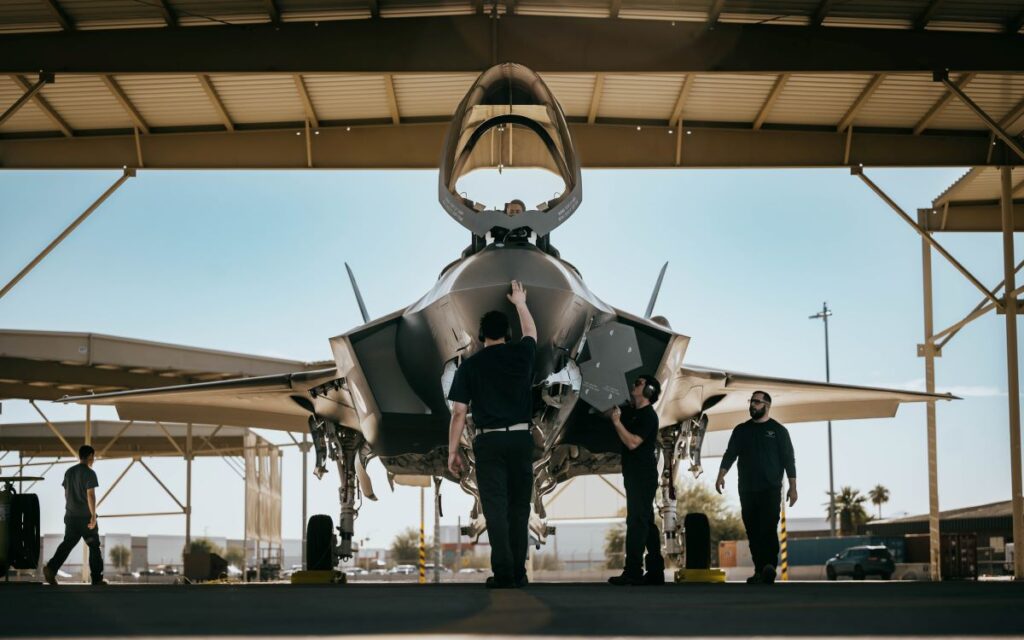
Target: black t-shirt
[
  {"x": 77, "y": 480},
  {"x": 764, "y": 451},
  {"x": 643, "y": 423},
  {"x": 496, "y": 382}
]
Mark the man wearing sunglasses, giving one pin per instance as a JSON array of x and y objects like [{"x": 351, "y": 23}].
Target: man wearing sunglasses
[
  {"x": 764, "y": 451},
  {"x": 637, "y": 428}
]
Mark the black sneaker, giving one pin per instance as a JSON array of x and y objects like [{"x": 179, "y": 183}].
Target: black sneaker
[
  {"x": 768, "y": 574},
  {"x": 754, "y": 579},
  {"x": 49, "y": 575},
  {"x": 100, "y": 583},
  {"x": 522, "y": 582},
  {"x": 654, "y": 578},
  {"x": 494, "y": 583},
  {"x": 626, "y": 580}
]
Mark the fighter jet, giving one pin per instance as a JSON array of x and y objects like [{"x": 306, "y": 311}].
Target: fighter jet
[{"x": 385, "y": 397}]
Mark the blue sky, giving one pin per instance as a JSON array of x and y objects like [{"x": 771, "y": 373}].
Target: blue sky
[{"x": 253, "y": 262}]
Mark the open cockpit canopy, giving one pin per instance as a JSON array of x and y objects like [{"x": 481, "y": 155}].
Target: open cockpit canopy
[{"x": 509, "y": 119}]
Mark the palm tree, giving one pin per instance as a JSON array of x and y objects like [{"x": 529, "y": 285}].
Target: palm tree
[
  {"x": 879, "y": 496},
  {"x": 850, "y": 508}
]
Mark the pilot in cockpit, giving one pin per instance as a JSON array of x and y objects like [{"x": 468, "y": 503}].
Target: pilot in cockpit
[
  {"x": 512, "y": 209},
  {"x": 515, "y": 207}
]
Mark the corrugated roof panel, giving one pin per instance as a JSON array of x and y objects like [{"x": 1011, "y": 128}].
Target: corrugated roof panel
[
  {"x": 681, "y": 10},
  {"x": 100, "y": 14},
  {"x": 431, "y": 95},
  {"x": 311, "y": 10},
  {"x": 882, "y": 10},
  {"x": 347, "y": 96},
  {"x": 784, "y": 12},
  {"x": 989, "y": 11},
  {"x": 168, "y": 100},
  {"x": 901, "y": 101},
  {"x": 84, "y": 102},
  {"x": 996, "y": 94},
  {"x": 641, "y": 97},
  {"x": 423, "y": 8},
  {"x": 980, "y": 183},
  {"x": 250, "y": 98},
  {"x": 213, "y": 12},
  {"x": 26, "y": 15},
  {"x": 29, "y": 117},
  {"x": 572, "y": 90},
  {"x": 573, "y": 8},
  {"x": 821, "y": 99},
  {"x": 727, "y": 97}
]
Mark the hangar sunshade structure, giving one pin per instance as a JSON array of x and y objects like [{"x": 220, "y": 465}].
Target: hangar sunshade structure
[{"x": 335, "y": 84}]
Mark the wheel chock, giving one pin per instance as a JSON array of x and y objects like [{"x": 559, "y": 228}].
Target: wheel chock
[
  {"x": 695, "y": 576},
  {"x": 319, "y": 577}
]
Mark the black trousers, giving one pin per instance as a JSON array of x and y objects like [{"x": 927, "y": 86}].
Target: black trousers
[
  {"x": 504, "y": 475},
  {"x": 77, "y": 528},
  {"x": 760, "y": 511},
  {"x": 641, "y": 531}
]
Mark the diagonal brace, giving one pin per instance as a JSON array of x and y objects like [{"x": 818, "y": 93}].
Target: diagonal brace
[
  {"x": 44, "y": 78},
  {"x": 74, "y": 454},
  {"x": 128, "y": 173},
  {"x": 979, "y": 310},
  {"x": 859, "y": 172},
  {"x": 999, "y": 132},
  {"x": 114, "y": 484},
  {"x": 161, "y": 483}
]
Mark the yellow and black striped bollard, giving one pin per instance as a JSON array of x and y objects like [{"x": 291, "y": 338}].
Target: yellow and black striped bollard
[
  {"x": 423, "y": 546},
  {"x": 783, "y": 547}
]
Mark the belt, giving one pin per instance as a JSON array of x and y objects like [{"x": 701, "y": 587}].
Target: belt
[{"x": 522, "y": 426}]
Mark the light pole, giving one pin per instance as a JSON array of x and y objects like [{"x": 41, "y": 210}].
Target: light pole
[{"x": 823, "y": 315}]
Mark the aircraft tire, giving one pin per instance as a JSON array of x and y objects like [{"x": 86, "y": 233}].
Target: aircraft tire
[
  {"x": 319, "y": 540},
  {"x": 698, "y": 541},
  {"x": 23, "y": 549}
]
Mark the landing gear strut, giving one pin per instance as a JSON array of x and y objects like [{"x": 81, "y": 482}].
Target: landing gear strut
[{"x": 333, "y": 441}]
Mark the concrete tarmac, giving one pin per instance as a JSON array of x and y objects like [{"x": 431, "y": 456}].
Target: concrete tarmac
[{"x": 554, "y": 610}]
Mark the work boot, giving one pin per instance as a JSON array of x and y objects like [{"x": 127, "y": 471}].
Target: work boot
[
  {"x": 654, "y": 578},
  {"x": 49, "y": 575},
  {"x": 494, "y": 583},
  {"x": 768, "y": 574},
  {"x": 100, "y": 583},
  {"x": 754, "y": 579},
  {"x": 626, "y": 580},
  {"x": 522, "y": 582}
]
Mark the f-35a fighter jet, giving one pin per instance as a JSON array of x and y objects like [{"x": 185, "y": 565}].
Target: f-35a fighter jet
[{"x": 385, "y": 397}]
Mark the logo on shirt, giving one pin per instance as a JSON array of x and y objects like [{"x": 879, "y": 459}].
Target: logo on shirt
[{"x": 770, "y": 434}]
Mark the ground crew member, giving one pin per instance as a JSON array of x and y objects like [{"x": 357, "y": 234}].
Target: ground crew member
[
  {"x": 79, "y": 484},
  {"x": 637, "y": 428},
  {"x": 496, "y": 383},
  {"x": 764, "y": 451}
]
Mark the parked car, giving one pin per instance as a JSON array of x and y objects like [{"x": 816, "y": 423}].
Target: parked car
[
  {"x": 430, "y": 568},
  {"x": 403, "y": 570},
  {"x": 470, "y": 570},
  {"x": 356, "y": 571},
  {"x": 860, "y": 562}
]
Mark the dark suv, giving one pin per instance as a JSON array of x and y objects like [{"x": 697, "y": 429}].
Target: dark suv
[{"x": 860, "y": 562}]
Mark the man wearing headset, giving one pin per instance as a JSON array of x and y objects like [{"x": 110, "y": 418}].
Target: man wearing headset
[
  {"x": 497, "y": 383},
  {"x": 637, "y": 428},
  {"x": 764, "y": 450}
]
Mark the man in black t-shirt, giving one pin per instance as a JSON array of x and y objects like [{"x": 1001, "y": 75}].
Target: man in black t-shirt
[
  {"x": 637, "y": 428},
  {"x": 764, "y": 451},
  {"x": 79, "y": 484},
  {"x": 496, "y": 383}
]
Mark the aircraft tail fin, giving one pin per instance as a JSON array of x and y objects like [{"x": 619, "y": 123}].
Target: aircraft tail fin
[
  {"x": 654, "y": 294},
  {"x": 359, "y": 296}
]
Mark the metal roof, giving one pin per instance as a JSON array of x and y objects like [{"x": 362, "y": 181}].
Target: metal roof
[
  {"x": 119, "y": 439},
  {"x": 974, "y": 202},
  {"x": 761, "y": 69},
  {"x": 48, "y": 365}
]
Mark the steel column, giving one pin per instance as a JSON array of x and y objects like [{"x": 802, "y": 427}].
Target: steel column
[
  {"x": 929, "y": 376},
  {"x": 188, "y": 486},
  {"x": 128, "y": 173},
  {"x": 305, "y": 495},
  {"x": 1012, "y": 378}
]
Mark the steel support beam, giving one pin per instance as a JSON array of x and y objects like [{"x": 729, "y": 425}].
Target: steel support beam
[
  {"x": 60, "y": 15},
  {"x": 218, "y": 105},
  {"x": 188, "y": 485},
  {"x": 128, "y": 173},
  {"x": 23, "y": 100},
  {"x": 926, "y": 16},
  {"x": 769, "y": 102},
  {"x": 67, "y": 445},
  {"x": 715, "y": 12},
  {"x": 595, "y": 98},
  {"x": 169, "y": 17},
  {"x": 821, "y": 12},
  {"x": 389, "y": 86},
  {"x": 307, "y": 103},
  {"x": 272, "y": 11},
  {"x": 1000, "y": 133},
  {"x": 941, "y": 103},
  {"x": 862, "y": 99},
  {"x": 935, "y": 567},
  {"x": 859, "y": 172},
  {"x": 1012, "y": 374},
  {"x": 416, "y": 146},
  {"x": 543, "y": 43},
  {"x": 614, "y": 8},
  {"x": 125, "y": 102},
  {"x": 47, "y": 110}
]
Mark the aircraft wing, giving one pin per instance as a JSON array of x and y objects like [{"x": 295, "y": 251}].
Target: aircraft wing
[
  {"x": 724, "y": 395},
  {"x": 272, "y": 402}
]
